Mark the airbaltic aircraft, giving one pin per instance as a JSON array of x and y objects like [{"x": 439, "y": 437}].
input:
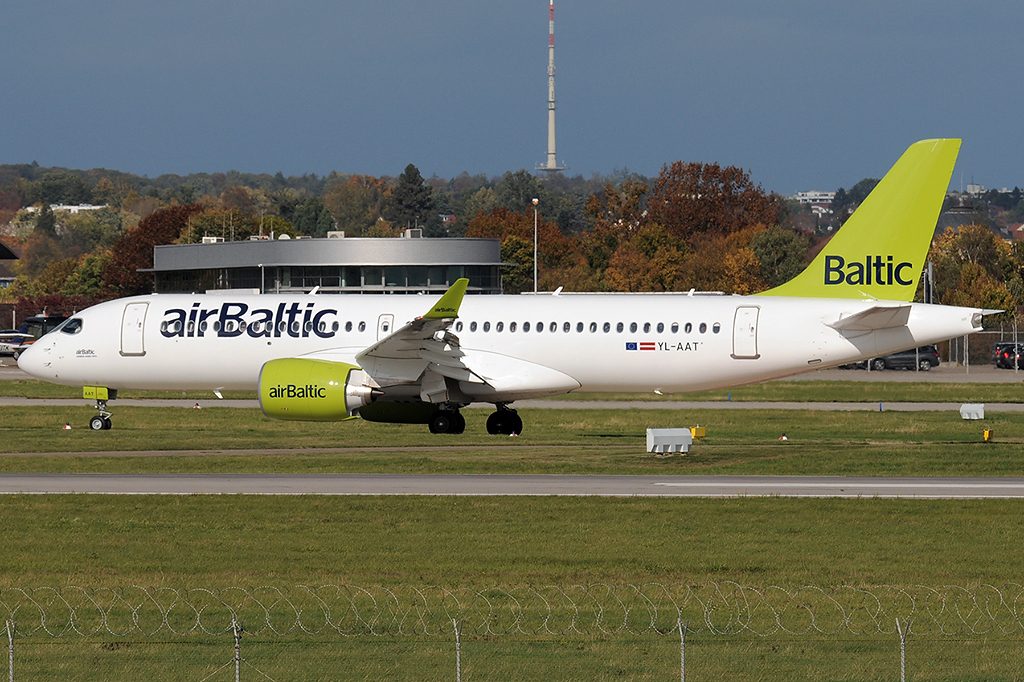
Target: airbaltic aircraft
[{"x": 384, "y": 358}]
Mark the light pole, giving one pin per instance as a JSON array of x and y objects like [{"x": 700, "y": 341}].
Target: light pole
[{"x": 535, "y": 202}]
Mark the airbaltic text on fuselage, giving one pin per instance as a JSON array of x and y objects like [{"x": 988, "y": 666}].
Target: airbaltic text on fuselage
[
  {"x": 874, "y": 270},
  {"x": 293, "y": 391},
  {"x": 298, "y": 320}
]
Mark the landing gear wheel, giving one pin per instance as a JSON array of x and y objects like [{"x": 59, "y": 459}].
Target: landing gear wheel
[
  {"x": 107, "y": 424},
  {"x": 447, "y": 421},
  {"x": 99, "y": 423},
  {"x": 504, "y": 422}
]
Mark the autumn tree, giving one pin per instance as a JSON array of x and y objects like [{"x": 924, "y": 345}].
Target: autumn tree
[
  {"x": 555, "y": 250},
  {"x": 780, "y": 254},
  {"x": 356, "y": 204},
  {"x": 695, "y": 199},
  {"x": 134, "y": 250},
  {"x": 970, "y": 244}
]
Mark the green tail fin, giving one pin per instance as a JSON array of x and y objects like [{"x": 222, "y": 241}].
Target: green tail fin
[{"x": 880, "y": 251}]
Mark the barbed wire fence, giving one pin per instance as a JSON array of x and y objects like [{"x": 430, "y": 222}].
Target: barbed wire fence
[{"x": 606, "y": 612}]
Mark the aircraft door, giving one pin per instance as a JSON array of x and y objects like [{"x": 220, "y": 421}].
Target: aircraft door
[
  {"x": 744, "y": 332},
  {"x": 133, "y": 324},
  {"x": 385, "y": 326}
]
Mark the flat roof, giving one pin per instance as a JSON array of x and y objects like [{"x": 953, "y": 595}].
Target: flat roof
[{"x": 354, "y": 251}]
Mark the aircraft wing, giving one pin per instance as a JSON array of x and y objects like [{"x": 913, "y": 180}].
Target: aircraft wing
[{"x": 425, "y": 352}]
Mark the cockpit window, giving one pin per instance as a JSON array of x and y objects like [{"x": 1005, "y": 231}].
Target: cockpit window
[{"x": 72, "y": 326}]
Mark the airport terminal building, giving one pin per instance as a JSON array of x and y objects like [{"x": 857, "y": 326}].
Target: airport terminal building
[{"x": 408, "y": 265}]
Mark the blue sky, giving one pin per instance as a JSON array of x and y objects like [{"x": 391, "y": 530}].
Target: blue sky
[{"x": 805, "y": 95}]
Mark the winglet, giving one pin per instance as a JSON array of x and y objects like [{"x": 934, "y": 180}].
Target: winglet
[
  {"x": 448, "y": 305},
  {"x": 880, "y": 251}
]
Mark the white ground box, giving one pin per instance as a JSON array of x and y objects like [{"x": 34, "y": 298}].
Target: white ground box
[
  {"x": 972, "y": 411},
  {"x": 669, "y": 440}
]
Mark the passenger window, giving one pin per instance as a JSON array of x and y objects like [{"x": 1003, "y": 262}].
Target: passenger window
[
  {"x": 191, "y": 326},
  {"x": 565, "y": 327},
  {"x": 688, "y": 328},
  {"x": 362, "y": 326},
  {"x": 703, "y": 327},
  {"x": 540, "y": 327},
  {"x": 202, "y": 327},
  {"x": 661, "y": 327},
  {"x": 487, "y": 326},
  {"x": 348, "y": 326},
  {"x": 472, "y": 326},
  {"x": 593, "y": 327},
  {"x": 526, "y": 326},
  {"x": 619, "y": 327},
  {"x": 511, "y": 326},
  {"x": 499, "y": 326},
  {"x": 647, "y": 327},
  {"x": 458, "y": 326},
  {"x": 675, "y": 327},
  {"x": 308, "y": 326},
  {"x": 241, "y": 326},
  {"x": 216, "y": 325},
  {"x": 334, "y": 327},
  {"x": 632, "y": 327},
  {"x": 553, "y": 327},
  {"x": 607, "y": 327},
  {"x": 716, "y": 328},
  {"x": 295, "y": 326},
  {"x": 579, "y": 327}
]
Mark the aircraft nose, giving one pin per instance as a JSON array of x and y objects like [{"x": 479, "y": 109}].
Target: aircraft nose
[{"x": 33, "y": 361}]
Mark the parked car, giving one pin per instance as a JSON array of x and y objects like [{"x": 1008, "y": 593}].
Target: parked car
[
  {"x": 1006, "y": 353},
  {"x": 923, "y": 358}
]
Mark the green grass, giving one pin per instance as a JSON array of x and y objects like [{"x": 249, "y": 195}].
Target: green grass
[
  {"x": 220, "y": 541},
  {"x": 108, "y": 542},
  {"x": 554, "y": 441}
]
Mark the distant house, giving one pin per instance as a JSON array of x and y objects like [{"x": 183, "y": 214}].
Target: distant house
[{"x": 7, "y": 258}]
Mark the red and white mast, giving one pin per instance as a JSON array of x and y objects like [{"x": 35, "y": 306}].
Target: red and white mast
[{"x": 551, "y": 164}]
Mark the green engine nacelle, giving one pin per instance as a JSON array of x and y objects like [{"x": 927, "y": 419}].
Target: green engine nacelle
[{"x": 302, "y": 389}]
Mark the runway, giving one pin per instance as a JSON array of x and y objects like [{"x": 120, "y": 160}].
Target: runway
[{"x": 514, "y": 485}]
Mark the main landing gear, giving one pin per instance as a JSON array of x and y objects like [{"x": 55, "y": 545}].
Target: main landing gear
[
  {"x": 447, "y": 420},
  {"x": 101, "y": 422},
  {"x": 504, "y": 422}
]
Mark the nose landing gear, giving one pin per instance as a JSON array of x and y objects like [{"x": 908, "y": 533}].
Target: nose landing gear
[{"x": 101, "y": 422}]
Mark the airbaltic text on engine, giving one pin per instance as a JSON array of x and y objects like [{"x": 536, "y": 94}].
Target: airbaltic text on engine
[
  {"x": 235, "y": 319},
  {"x": 884, "y": 269},
  {"x": 293, "y": 391}
]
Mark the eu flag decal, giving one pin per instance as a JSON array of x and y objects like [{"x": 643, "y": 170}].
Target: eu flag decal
[{"x": 630, "y": 345}]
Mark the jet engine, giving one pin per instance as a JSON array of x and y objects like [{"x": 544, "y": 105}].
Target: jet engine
[{"x": 303, "y": 389}]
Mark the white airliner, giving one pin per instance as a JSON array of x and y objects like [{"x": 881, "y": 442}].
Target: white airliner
[{"x": 385, "y": 358}]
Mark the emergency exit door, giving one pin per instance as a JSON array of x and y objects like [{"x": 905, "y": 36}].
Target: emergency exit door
[
  {"x": 384, "y": 326},
  {"x": 133, "y": 324},
  {"x": 744, "y": 332}
]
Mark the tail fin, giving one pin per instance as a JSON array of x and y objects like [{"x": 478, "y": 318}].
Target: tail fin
[{"x": 880, "y": 251}]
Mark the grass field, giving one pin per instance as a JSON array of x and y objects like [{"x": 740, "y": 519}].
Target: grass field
[
  {"x": 476, "y": 543},
  {"x": 554, "y": 441}
]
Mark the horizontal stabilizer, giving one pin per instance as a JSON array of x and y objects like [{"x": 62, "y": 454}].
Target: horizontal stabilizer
[{"x": 875, "y": 317}]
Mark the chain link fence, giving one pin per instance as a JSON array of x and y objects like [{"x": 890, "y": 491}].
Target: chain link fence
[{"x": 601, "y": 631}]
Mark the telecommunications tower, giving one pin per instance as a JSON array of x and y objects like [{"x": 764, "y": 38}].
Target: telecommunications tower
[{"x": 551, "y": 165}]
